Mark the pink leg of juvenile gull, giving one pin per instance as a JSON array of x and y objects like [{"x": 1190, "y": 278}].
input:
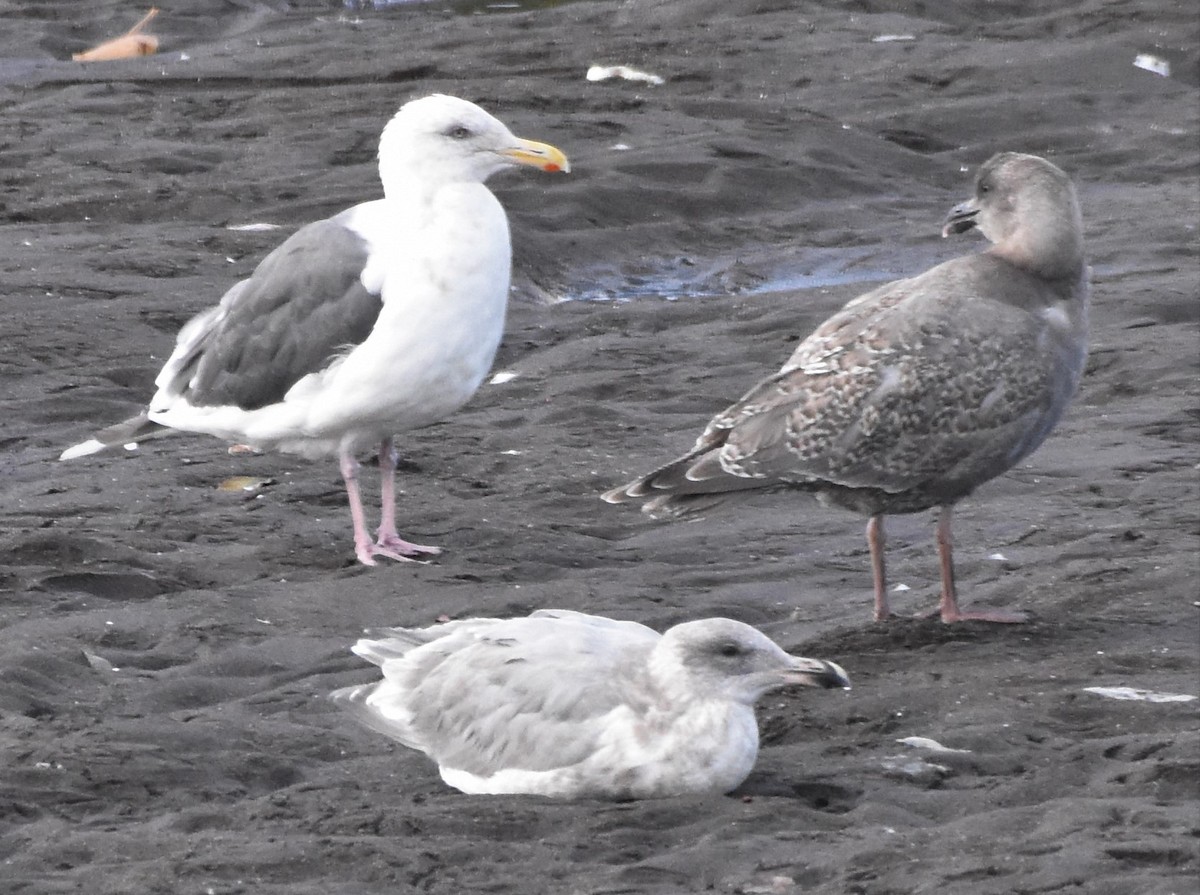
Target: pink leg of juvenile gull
[
  {"x": 388, "y": 538},
  {"x": 949, "y": 606},
  {"x": 393, "y": 546},
  {"x": 876, "y": 542}
]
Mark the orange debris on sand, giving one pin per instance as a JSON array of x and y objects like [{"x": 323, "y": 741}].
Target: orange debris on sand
[{"x": 131, "y": 43}]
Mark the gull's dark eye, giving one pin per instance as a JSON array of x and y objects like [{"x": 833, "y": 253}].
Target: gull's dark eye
[
  {"x": 984, "y": 188},
  {"x": 458, "y": 132},
  {"x": 729, "y": 649}
]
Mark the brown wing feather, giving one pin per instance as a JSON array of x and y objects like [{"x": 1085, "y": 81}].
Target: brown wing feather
[{"x": 878, "y": 398}]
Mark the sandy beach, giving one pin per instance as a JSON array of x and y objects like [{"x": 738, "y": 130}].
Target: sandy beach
[{"x": 167, "y": 647}]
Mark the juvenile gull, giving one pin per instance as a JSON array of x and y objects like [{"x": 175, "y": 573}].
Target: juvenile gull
[
  {"x": 918, "y": 392},
  {"x": 572, "y": 706},
  {"x": 383, "y": 318}
]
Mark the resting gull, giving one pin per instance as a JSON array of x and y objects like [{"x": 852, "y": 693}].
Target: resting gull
[
  {"x": 383, "y": 318},
  {"x": 572, "y": 706},
  {"x": 918, "y": 392}
]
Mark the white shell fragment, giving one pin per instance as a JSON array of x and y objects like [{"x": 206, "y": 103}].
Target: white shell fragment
[
  {"x": 251, "y": 228},
  {"x": 927, "y": 743},
  {"x": 624, "y": 72},
  {"x": 1150, "y": 62},
  {"x": 1138, "y": 694}
]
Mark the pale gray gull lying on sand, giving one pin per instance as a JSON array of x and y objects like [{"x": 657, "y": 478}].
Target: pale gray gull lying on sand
[
  {"x": 918, "y": 392},
  {"x": 383, "y": 318},
  {"x": 572, "y": 706}
]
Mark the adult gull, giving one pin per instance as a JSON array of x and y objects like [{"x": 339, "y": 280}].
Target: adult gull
[
  {"x": 383, "y": 318},
  {"x": 918, "y": 392},
  {"x": 570, "y": 705}
]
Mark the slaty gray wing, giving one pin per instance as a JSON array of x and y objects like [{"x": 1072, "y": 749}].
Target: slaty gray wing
[{"x": 303, "y": 306}]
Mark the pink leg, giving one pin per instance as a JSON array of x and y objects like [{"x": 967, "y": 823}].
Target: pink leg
[
  {"x": 389, "y": 542},
  {"x": 364, "y": 548},
  {"x": 876, "y": 542},
  {"x": 949, "y": 606}
]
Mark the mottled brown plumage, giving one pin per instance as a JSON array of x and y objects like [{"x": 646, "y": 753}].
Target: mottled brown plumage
[{"x": 918, "y": 392}]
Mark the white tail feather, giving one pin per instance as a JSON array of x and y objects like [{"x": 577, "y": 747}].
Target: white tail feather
[{"x": 83, "y": 449}]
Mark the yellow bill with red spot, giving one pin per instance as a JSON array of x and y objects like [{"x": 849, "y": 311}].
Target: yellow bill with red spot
[{"x": 538, "y": 155}]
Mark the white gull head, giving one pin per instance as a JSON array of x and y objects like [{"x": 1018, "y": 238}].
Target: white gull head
[{"x": 443, "y": 139}]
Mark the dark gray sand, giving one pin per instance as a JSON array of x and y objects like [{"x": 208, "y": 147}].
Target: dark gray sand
[{"x": 167, "y": 647}]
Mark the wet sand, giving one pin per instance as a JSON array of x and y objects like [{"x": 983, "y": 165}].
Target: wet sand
[{"x": 168, "y": 647}]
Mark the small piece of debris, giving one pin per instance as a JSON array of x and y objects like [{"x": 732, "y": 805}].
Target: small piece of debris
[
  {"x": 913, "y": 768},
  {"x": 624, "y": 72},
  {"x": 890, "y": 38},
  {"x": 1134, "y": 693},
  {"x": 244, "y": 483},
  {"x": 775, "y": 885},
  {"x": 251, "y": 228},
  {"x": 99, "y": 662},
  {"x": 927, "y": 743},
  {"x": 129, "y": 45},
  {"x": 1150, "y": 62},
  {"x": 501, "y": 378}
]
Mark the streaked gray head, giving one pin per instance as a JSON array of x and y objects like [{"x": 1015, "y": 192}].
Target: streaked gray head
[
  {"x": 1027, "y": 206},
  {"x": 719, "y": 655}
]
